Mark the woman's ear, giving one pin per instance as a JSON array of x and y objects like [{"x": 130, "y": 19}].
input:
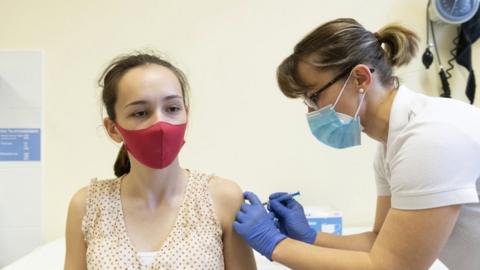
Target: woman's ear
[
  {"x": 112, "y": 130},
  {"x": 363, "y": 77}
]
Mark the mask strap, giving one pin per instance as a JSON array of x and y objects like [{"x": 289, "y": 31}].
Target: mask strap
[
  {"x": 359, "y": 105},
  {"x": 343, "y": 88}
]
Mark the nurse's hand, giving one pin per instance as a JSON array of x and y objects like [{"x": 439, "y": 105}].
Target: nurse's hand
[
  {"x": 257, "y": 226},
  {"x": 291, "y": 217}
]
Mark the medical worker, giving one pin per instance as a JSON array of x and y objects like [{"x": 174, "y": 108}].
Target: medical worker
[{"x": 427, "y": 166}]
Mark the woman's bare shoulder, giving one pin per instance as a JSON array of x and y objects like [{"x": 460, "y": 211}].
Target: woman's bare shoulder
[
  {"x": 227, "y": 198},
  {"x": 78, "y": 202}
]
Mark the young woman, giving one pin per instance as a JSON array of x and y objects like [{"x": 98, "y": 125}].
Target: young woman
[
  {"x": 155, "y": 214},
  {"x": 427, "y": 167}
]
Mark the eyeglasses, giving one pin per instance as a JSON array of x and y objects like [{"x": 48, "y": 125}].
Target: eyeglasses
[{"x": 312, "y": 100}]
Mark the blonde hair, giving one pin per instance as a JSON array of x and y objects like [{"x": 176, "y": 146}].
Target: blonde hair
[{"x": 343, "y": 43}]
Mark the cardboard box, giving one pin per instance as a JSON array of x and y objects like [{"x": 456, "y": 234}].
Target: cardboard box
[{"x": 322, "y": 220}]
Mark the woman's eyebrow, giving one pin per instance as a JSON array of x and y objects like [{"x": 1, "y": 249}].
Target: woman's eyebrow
[
  {"x": 143, "y": 102},
  {"x": 138, "y": 102},
  {"x": 172, "y": 97}
]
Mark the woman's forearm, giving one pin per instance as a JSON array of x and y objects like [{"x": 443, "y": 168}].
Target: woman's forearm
[
  {"x": 357, "y": 242},
  {"x": 298, "y": 255}
]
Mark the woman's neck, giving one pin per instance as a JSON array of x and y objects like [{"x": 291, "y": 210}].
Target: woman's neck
[
  {"x": 154, "y": 186},
  {"x": 378, "y": 115}
]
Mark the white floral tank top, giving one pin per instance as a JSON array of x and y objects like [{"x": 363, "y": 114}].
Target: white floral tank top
[{"x": 195, "y": 241}]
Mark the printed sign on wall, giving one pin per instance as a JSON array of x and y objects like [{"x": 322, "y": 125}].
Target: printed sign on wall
[{"x": 19, "y": 144}]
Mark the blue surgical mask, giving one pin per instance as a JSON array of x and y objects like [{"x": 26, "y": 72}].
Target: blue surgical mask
[{"x": 335, "y": 129}]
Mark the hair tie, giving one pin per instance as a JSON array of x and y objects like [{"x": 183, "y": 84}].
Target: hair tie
[{"x": 379, "y": 39}]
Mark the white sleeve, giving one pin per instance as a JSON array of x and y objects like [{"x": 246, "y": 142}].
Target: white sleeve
[
  {"x": 383, "y": 188},
  {"x": 435, "y": 166}
]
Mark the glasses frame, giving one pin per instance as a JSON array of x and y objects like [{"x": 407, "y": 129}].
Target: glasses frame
[{"x": 311, "y": 101}]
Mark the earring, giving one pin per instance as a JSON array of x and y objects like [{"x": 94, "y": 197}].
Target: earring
[{"x": 361, "y": 90}]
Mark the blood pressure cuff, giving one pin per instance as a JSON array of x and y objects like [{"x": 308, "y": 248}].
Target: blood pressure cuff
[{"x": 469, "y": 33}]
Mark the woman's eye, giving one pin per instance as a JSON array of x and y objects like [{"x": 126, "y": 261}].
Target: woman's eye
[
  {"x": 173, "y": 109},
  {"x": 139, "y": 114}
]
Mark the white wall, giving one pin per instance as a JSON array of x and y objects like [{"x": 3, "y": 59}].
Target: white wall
[
  {"x": 20, "y": 153},
  {"x": 241, "y": 126}
]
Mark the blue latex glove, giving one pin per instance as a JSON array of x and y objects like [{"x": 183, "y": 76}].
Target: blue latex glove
[
  {"x": 291, "y": 217},
  {"x": 257, "y": 226}
]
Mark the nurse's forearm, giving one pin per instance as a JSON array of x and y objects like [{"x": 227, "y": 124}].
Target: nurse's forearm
[
  {"x": 298, "y": 255},
  {"x": 358, "y": 242}
]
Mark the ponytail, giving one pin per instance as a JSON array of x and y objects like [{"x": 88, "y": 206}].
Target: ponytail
[
  {"x": 122, "y": 164},
  {"x": 400, "y": 44}
]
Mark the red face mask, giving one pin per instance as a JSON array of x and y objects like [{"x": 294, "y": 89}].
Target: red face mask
[{"x": 156, "y": 146}]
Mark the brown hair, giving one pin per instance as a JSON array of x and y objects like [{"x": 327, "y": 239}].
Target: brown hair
[
  {"x": 343, "y": 43},
  {"x": 109, "y": 83}
]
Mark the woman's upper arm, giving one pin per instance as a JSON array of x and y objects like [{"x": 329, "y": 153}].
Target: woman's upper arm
[
  {"x": 227, "y": 199},
  {"x": 413, "y": 239},
  {"x": 383, "y": 205},
  {"x": 75, "y": 255}
]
